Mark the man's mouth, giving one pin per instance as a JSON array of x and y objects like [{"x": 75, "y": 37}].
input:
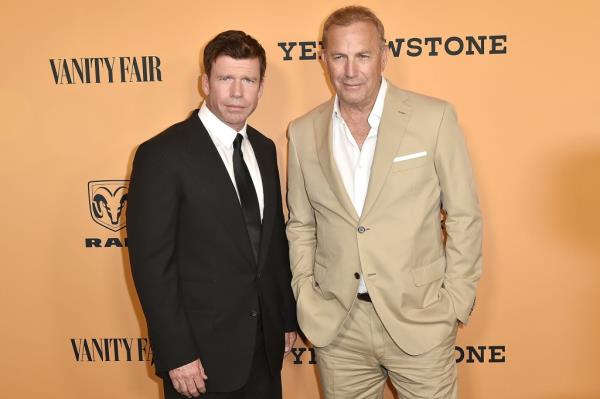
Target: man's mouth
[
  {"x": 352, "y": 86},
  {"x": 235, "y": 107}
]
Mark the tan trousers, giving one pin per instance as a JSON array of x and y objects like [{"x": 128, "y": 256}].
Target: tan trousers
[{"x": 359, "y": 360}]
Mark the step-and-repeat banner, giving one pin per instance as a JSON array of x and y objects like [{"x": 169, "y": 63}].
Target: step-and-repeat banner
[{"x": 83, "y": 83}]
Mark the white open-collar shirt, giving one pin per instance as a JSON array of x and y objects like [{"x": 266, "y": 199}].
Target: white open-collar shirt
[
  {"x": 353, "y": 163},
  {"x": 223, "y": 136}
]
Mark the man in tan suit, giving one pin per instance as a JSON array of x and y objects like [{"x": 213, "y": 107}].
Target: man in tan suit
[{"x": 379, "y": 291}]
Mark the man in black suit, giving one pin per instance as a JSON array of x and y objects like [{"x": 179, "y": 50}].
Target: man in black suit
[{"x": 207, "y": 243}]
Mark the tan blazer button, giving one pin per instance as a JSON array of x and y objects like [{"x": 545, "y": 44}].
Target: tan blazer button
[{"x": 356, "y": 276}]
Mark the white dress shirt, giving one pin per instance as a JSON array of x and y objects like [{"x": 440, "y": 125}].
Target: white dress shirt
[
  {"x": 353, "y": 163},
  {"x": 222, "y": 136}
]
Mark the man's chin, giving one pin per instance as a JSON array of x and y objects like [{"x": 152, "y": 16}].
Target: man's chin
[
  {"x": 352, "y": 98},
  {"x": 235, "y": 120}
]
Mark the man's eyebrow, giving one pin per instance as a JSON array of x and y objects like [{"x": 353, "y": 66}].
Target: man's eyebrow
[{"x": 341, "y": 52}]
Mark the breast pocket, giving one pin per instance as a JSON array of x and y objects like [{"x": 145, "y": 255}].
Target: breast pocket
[{"x": 410, "y": 161}]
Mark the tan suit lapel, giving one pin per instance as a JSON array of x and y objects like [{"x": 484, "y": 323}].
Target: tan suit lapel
[
  {"x": 394, "y": 119},
  {"x": 324, "y": 139}
]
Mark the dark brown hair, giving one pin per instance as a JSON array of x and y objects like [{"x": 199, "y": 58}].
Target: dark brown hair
[
  {"x": 348, "y": 15},
  {"x": 237, "y": 45}
]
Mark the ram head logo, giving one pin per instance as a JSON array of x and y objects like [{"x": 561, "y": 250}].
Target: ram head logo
[{"x": 108, "y": 202}]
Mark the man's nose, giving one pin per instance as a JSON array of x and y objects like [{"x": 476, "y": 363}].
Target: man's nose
[
  {"x": 350, "y": 69},
  {"x": 236, "y": 89}
]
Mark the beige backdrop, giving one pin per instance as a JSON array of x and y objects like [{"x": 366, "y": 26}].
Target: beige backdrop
[{"x": 531, "y": 119}]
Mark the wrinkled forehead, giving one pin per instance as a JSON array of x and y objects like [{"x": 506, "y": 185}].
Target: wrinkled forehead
[
  {"x": 356, "y": 37},
  {"x": 227, "y": 65}
]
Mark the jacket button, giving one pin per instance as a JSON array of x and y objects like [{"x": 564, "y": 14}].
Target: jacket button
[
  {"x": 253, "y": 313},
  {"x": 356, "y": 276},
  {"x": 361, "y": 229}
]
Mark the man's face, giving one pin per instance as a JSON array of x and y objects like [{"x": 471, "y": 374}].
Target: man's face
[
  {"x": 233, "y": 89},
  {"x": 355, "y": 60}
]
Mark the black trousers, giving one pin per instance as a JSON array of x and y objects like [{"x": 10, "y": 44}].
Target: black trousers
[{"x": 260, "y": 385}]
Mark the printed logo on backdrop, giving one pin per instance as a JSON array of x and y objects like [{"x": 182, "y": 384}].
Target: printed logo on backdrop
[
  {"x": 112, "y": 350},
  {"x": 470, "y": 45},
  {"x": 140, "y": 349},
  {"x": 107, "y": 200},
  {"x": 96, "y": 70},
  {"x": 467, "y": 354}
]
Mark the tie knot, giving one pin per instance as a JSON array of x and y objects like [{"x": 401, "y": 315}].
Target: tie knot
[{"x": 237, "y": 142}]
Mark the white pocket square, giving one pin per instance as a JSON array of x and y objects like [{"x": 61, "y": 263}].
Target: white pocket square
[{"x": 410, "y": 156}]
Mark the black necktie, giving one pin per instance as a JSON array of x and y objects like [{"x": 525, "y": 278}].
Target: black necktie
[{"x": 247, "y": 193}]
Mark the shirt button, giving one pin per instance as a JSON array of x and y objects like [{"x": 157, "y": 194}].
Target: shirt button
[
  {"x": 361, "y": 229},
  {"x": 356, "y": 276}
]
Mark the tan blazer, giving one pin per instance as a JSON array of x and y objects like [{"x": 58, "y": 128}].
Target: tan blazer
[{"x": 418, "y": 285}]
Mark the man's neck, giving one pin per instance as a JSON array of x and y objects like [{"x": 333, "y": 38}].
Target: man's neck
[
  {"x": 358, "y": 113},
  {"x": 357, "y": 120},
  {"x": 237, "y": 127}
]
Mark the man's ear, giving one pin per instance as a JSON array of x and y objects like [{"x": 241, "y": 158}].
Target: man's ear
[
  {"x": 261, "y": 87},
  {"x": 323, "y": 59},
  {"x": 384, "y": 57},
  {"x": 205, "y": 84}
]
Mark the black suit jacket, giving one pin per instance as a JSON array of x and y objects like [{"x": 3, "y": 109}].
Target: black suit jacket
[{"x": 192, "y": 262}]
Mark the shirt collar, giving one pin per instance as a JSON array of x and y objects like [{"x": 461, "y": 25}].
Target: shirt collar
[
  {"x": 218, "y": 129},
  {"x": 376, "y": 112}
]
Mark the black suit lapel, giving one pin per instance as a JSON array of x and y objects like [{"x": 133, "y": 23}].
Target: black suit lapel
[
  {"x": 208, "y": 162},
  {"x": 266, "y": 167}
]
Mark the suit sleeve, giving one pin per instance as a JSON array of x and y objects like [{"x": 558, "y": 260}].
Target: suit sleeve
[
  {"x": 289, "y": 303},
  {"x": 301, "y": 225},
  {"x": 151, "y": 227},
  {"x": 463, "y": 222}
]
